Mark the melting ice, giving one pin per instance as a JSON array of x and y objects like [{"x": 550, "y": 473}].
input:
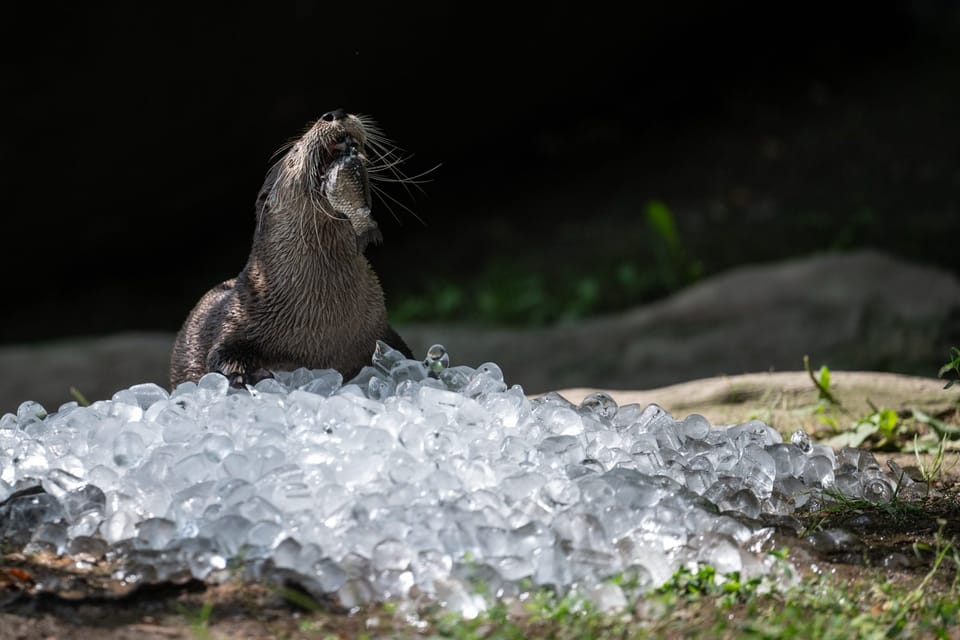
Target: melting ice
[{"x": 414, "y": 479}]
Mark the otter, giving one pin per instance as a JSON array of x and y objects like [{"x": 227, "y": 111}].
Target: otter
[{"x": 307, "y": 296}]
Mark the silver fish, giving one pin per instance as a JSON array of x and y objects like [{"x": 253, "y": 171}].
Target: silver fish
[{"x": 347, "y": 188}]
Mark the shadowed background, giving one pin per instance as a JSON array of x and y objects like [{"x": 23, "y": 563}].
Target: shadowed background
[{"x": 589, "y": 160}]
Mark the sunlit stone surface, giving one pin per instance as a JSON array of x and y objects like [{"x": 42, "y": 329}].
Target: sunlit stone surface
[{"x": 416, "y": 478}]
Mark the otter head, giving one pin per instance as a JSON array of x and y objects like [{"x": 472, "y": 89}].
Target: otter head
[{"x": 322, "y": 179}]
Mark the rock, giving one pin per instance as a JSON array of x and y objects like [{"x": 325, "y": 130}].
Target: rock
[
  {"x": 785, "y": 399},
  {"x": 856, "y": 311},
  {"x": 96, "y": 366}
]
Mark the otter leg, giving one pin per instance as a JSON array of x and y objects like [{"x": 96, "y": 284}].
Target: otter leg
[
  {"x": 392, "y": 338},
  {"x": 239, "y": 361}
]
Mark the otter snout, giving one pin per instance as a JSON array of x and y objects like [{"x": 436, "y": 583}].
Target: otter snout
[
  {"x": 336, "y": 114},
  {"x": 323, "y": 179}
]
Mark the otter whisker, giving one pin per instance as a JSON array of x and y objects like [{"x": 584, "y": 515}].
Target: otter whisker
[
  {"x": 406, "y": 179},
  {"x": 384, "y": 194},
  {"x": 377, "y": 190},
  {"x": 320, "y": 207},
  {"x": 383, "y": 151},
  {"x": 400, "y": 177},
  {"x": 370, "y": 126},
  {"x": 386, "y": 155},
  {"x": 301, "y": 228},
  {"x": 388, "y": 159},
  {"x": 382, "y": 143},
  {"x": 386, "y": 162},
  {"x": 316, "y": 229},
  {"x": 286, "y": 146},
  {"x": 379, "y": 170},
  {"x": 402, "y": 181},
  {"x": 391, "y": 164}
]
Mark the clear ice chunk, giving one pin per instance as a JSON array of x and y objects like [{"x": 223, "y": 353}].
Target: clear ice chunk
[
  {"x": 818, "y": 471},
  {"x": 29, "y": 412},
  {"x": 128, "y": 449},
  {"x": 156, "y": 533},
  {"x": 87, "y": 548},
  {"x": 59, "y": 483},
  {"x": 120, "y": 525},
  {"x": 325, "y": 383},
  {"x": 269, "y": 385},
  {"x": 147, "y": 394},
  {"x": 386, "y": 357},
  {"x": 695, "y": 427},
  {"x": 49, "y": 537},
  {"x": 719, "y": 551},
  {"x": 801, "y": 440},
  {"x": 487, "y": 379},
  {"x": 215, "y": 384},
  {"x": 456, "y": 378},
  {"x": 83, "y": 501},
  {"x": 848, "y": 483},
  {"x": 877, "y": 486},
  {"x": 21, "y": 515},
  {"x": 600, "y": 405},
  {"x": 652, "y": 416},
  {"x": 391, "y": 554},
  {"x": 437, "y": 360}
]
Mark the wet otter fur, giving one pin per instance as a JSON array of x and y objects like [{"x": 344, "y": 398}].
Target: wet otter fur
[{"x": 307, "y": 297}]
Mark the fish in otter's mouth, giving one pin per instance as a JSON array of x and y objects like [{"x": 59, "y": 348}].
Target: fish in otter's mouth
[{"x": 346, "y": 187}]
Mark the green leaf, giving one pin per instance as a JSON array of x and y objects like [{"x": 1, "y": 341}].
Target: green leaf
[
  {"x": 824, "y": 377},
  {"x": 942, "y": 428},
  {"x": 828, "y": 421},
  {"x": 299, "y": 599},
  {"x": 886, "y": 421},
  {"x": 953, "y": 365},
  {"x": 853, "y": 438},
  {"x": 821, "y": 382},
  {"x": 660, "y": 219},
  {"x": 79, "y": 397}
]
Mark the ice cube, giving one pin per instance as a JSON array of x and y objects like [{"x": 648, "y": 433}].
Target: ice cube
[
  {"x": 695, "y": 427},
  {"x": 600, "y": 405},
  {"x": 437, "y": 360}
]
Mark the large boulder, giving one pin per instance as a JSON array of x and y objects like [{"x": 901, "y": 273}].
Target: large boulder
[{"x": 863, "y": 311}]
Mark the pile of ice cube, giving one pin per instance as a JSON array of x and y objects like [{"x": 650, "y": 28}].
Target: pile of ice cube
[{"x": 414, "y": 479}]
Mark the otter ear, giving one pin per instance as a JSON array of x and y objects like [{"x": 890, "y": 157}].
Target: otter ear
[{"x": 267, "y": 186}]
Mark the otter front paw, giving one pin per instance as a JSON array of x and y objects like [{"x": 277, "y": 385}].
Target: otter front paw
[
  {"x": 239, "y": 361},
  {"x": 369, "y": 235},
  {"x": 240, "y": 379}
]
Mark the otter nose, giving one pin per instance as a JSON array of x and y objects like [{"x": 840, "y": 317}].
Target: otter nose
[{"x": 336, "y": 114}]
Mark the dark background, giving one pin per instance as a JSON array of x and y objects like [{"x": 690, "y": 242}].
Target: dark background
[{"x": 134, "y": 142}]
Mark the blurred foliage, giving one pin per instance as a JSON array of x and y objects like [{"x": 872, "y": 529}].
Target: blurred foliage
[
  {"x": 951, "y": 368},
  {"x": 505, "y": 294},
  {"x": 879, "y": 428}
]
